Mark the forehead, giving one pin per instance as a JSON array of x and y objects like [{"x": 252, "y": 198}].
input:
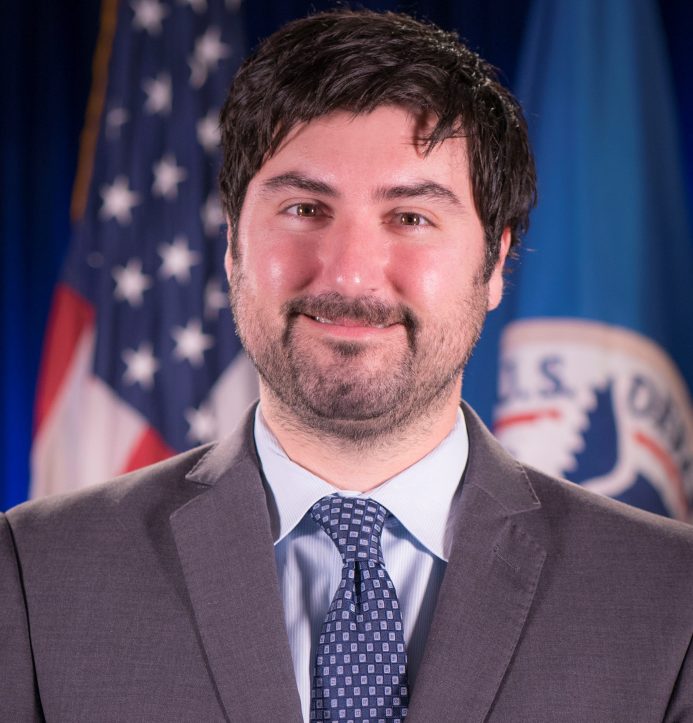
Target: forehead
[{"x": 386, "y": 141}]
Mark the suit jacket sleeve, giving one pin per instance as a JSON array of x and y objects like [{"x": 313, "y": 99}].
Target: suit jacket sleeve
[{"x": 18, "y": 694}]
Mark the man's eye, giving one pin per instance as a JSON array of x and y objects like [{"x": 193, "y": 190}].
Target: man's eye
[
  {"x": 304, "y": 210},
  {"x": 409, "y": 218}
]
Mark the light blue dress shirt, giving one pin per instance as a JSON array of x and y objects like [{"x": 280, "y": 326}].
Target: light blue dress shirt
[{"x": 415, "y": 542}]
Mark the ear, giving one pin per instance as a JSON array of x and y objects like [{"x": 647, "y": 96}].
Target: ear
[
  {"x": 228, "y": 259},
  {"x": 495, "y": 283}
]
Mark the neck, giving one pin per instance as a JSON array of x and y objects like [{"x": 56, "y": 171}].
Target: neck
[{"x": 365, "y": 465}]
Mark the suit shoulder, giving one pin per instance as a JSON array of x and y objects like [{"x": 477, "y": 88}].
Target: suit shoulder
[
  {"x": 600, "y": 520},
  {"x": 161, "y": 485}
]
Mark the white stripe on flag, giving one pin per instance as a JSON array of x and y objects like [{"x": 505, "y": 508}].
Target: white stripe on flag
[
  {"x": 236, "y": 389},
  {"x": 88, "y": 434}
]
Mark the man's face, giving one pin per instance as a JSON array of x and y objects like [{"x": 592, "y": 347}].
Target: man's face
[{"x": 357, "y": 289}]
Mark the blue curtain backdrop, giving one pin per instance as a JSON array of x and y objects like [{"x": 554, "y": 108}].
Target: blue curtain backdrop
[{"x": 46, "y": 51}]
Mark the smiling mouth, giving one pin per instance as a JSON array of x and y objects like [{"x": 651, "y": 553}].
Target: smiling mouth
[{"x": 348, "y": 322}]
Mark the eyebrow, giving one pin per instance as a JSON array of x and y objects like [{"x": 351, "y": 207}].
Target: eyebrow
[
  {"x": 424, "y": 189},
  {"x": 299, "y": 182}
]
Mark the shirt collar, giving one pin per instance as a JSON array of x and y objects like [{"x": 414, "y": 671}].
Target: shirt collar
[{"x": 419, "y": 497}]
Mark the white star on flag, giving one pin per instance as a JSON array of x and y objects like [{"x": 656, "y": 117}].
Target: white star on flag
[
  {"x": 209, "y": 50},
  {"x": 191, "y": 342},
  {"x": 203, "y": 426},
  {"x": 177, "y": 258},
  {"x": 131, "y": 283},
  {"x": 118, "y": 201},
  {"x": 208, "y": 131},
  {"x": 115, "y": 119},
  {"x": 215, "y": 299},
  {"x": 159, "y": 94},
  {"x": 141, "y": 366},
  {"x": 212, "y": 215},
  {"x": 199, "y": 6},
  {"x": 148, "y": 15},
  {"x": 167, "y": 176}
]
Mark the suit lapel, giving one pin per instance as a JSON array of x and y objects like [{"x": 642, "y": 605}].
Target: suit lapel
[
  {"x": 492, "y": 574},
  {"x": 225, "y": 547},
  {"x": 495, "y": 563}
]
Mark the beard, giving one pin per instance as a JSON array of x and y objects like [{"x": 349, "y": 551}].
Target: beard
[{"x": 357, "y": 391}]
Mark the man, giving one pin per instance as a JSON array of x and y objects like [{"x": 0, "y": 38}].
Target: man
[{"x": 361, "y": 549}]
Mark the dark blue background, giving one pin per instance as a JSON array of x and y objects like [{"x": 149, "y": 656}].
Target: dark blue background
[{"x": 46, "y": 49}]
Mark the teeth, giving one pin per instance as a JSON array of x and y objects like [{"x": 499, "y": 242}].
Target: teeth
[{"x": 322, "y": 320}]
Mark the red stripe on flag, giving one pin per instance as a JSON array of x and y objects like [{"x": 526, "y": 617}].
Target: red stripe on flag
[
  {"x": 150, "y": 448},
  {"x": 511, "y": 420},
  {"x": 69, "y": 317}
]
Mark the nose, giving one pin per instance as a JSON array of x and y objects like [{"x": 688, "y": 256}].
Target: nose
[{"x": 354, "y": 258}]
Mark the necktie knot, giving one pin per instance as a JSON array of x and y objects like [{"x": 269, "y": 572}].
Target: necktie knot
[{"x": 354, "y": 524}]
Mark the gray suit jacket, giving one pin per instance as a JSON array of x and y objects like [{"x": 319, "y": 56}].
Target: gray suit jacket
[{"x": 155, "y": 598}]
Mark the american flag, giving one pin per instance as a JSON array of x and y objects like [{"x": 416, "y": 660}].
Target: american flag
[{"x": 141, "y": 359}]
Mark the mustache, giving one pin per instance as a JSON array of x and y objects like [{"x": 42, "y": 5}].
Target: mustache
[{"x": 366, "y": 310}]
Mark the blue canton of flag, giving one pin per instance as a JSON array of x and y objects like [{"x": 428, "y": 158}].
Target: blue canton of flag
[{"x": 141, "y": 357}]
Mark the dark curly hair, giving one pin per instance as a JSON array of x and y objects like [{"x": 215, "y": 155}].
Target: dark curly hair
[{"x": 360, "y": 60}]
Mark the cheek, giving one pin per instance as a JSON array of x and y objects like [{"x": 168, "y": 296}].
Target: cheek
[
  {"x": 272, "y": 264},
  {"x": 277, "y": 266},
  {"x": 426, "y": 277}
]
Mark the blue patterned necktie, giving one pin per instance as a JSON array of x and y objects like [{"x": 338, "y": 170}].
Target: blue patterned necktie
[{"x": 360, "y": 672}]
